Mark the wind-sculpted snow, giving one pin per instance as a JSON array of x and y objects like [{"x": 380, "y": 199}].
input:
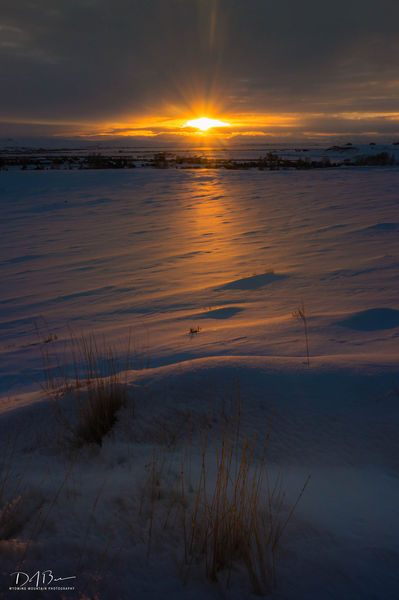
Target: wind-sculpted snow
[
  {"x": 225, "y": 312},
  {"x": 373, "y": 319},
  {"x": 207, "y": 271},
  {"x": 252, "y": 283},
  {"x": 106, "y": 251},
  {"x": 384, "y": 227}
]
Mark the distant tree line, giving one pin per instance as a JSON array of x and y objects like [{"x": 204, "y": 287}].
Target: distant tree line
[{"x": 162, "y": 160}]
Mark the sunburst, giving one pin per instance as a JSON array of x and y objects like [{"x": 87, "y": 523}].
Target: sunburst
[{"x": 204, "y": 123}]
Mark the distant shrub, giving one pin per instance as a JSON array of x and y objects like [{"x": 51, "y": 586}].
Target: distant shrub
[{"x": 382, "y": 159}]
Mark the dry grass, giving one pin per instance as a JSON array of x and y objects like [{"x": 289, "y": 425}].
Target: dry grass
[
  {"x": 17, "y": 504},
  {"x": 10, "y": 503},
  {"x": 230, "y": 516},
  {"x": 194, "y": 331},
  {"x": 42, "y": 518},
  {"x": 92, "y": 374},
  {"x": 237, "y": 516},
  {"x": 301, "y": 315}
]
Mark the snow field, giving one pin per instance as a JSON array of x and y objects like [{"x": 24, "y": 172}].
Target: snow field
[{"x": 234, "y": 254}]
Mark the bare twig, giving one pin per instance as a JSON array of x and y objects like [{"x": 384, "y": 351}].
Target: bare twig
[{"x": 301, "y": 314}]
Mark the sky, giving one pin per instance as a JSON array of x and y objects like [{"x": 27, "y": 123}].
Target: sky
[{"x": 96, "y": 69}]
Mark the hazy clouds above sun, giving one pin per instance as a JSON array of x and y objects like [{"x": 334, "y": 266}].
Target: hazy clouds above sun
[{"x": 140, "y": 66}]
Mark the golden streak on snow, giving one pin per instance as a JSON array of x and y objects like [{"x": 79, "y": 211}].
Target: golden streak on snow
[{"x": 206, "y": 221}]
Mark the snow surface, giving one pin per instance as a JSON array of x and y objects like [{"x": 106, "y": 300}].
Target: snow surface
[{"x": 234, "y": 254}]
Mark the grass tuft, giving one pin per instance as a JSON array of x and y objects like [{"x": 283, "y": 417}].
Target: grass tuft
[
  {"x": 92, "y": 374},
  {"x": 236, "y": 515},
  {"x": 194, "y": 331}
]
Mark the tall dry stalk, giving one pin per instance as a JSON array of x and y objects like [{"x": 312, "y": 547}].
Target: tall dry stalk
[
  {"x": 300, "y": 314},
  {"x": 17, "y": 503},
  {"x": 42, "y": 519}
]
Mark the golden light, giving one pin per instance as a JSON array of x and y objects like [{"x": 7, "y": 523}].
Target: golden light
[{"x": 204, "y": 123}]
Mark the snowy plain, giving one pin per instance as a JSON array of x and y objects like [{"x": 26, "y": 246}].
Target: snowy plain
[{"x": 232, "y": 255}]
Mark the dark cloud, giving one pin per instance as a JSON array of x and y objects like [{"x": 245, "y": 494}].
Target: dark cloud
[{"x": 95, "y": 60}]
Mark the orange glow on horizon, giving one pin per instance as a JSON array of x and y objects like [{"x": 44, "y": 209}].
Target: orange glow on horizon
[
  {"x": 186, "y": 127},
  {"x": 182, "y": 124}
]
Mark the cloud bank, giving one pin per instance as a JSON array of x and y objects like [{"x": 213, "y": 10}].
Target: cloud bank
[{"x": 92, "y": 67}]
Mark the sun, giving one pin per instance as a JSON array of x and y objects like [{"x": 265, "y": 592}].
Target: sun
[{"x": 204, "y": 123}]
